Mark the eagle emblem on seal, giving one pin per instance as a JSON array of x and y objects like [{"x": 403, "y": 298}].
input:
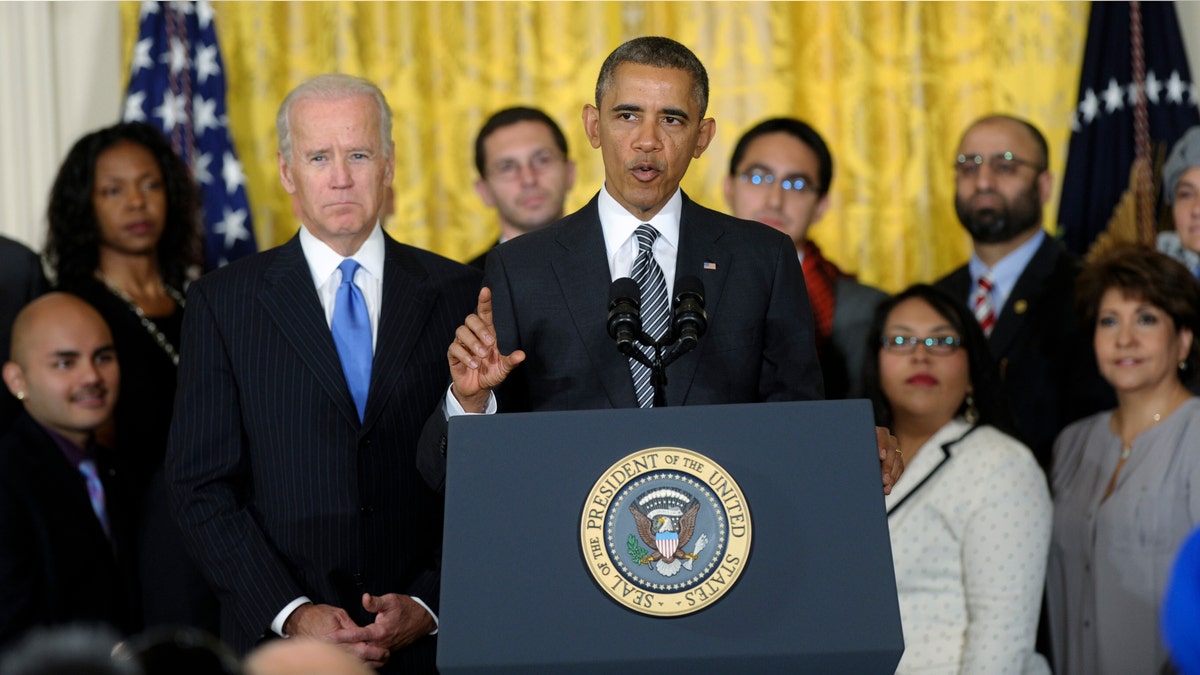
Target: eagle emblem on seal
[{"x": 666, "y": 521}]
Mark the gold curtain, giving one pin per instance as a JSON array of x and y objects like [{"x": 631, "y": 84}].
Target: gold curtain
[{"x": 890, "y": 85}]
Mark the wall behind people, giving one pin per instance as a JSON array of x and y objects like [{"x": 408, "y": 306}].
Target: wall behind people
[
  {"x": 60, "y": 71},
  {"x": 883, "y": 80}
]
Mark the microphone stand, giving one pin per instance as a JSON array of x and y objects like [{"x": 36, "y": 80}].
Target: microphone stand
[{"x": 675, "y": 348}]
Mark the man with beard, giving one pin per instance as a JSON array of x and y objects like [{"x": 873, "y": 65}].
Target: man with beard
[
  {"x": 1020, "y": 283},
  {"x": 524, "y": 173}
]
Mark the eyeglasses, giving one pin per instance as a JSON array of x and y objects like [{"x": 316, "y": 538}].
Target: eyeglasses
[
  {"x": 1001, "y": 164},
  {"x": 509, "y": 170},
  {"x": 938, "y": 345},
  {"x": 797, "y": 184}
]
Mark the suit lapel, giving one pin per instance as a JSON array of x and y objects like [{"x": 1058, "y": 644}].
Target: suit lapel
[
  {"x": 290, "y": 300},
  {"x": 1024, "y": 294},
  {"x": 582, "y": 272},
  {"x": 404, "y": 309},
  {"x": 700, "y": 255}
]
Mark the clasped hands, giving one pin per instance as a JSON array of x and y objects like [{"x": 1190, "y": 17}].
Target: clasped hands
[
  {"x": 477, "y": 367},
  {"x": 399, "y": 621}
]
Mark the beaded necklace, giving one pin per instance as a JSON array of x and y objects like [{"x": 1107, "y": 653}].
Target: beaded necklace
[{"x": 149, "y": 325}]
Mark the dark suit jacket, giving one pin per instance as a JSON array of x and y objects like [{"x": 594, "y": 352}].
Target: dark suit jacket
[
  {"x": 281, "y": 490},
  {"x": 550, "y": 291},
  {"x": 21, "y": 280},
  {"x": 56, "y": 564},
  {"x": 1046, "y": 361}
]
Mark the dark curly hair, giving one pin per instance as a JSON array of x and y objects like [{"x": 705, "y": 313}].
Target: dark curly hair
[
  {"x": 985, "y": 381},
  {"x": 73, "y": 243},
  {"x": 1139, "y": 271}
]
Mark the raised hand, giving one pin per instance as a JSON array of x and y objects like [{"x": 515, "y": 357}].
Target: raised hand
[{"x": 476, "y": 364}]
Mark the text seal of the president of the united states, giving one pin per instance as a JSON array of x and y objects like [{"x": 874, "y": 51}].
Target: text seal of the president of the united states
[{"x": 665, "y": 531}]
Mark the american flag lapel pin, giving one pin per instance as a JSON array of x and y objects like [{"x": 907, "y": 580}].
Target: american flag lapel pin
[{"x": 710, "y": 265}]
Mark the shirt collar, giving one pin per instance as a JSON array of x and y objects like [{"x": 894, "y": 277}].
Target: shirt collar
[
  {"x": 74, "y": 454},
  {"x": 1006, "y": 272},
  {"x": 323, "y": 260},
  {"x": 618, "y": 224}
]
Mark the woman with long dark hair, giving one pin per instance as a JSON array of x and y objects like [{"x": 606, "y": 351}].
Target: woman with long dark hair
[{"x": 123, "y": 216}]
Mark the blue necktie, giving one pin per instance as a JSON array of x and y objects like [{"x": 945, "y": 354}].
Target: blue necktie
[
  {"x": 95, "y": 491},
  {"x": 655, "y": 309},
  {"x": 352, "y": 335}
]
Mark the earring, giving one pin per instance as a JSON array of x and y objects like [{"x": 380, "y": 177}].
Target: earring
[
  {"x": 1182, "y": 365},
  {"x": 971, "y": 414},
  {"x": 20, "y": 396}
]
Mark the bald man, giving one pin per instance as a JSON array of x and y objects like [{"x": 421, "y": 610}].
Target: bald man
[
  {"x": 302, "y": 656},
  {"x": 1020, "y": 283},
  {"x": 62, "y": 518}
]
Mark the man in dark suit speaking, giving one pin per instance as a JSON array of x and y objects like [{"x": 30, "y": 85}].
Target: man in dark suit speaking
[
  {"x": 545, "y": 304},
  {"x": 306, "y": 373}
]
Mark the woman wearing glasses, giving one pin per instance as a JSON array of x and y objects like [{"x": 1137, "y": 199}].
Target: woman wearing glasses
[
  {"x": 1126, "y": 482},
  {"x": 970, "y": 517}
]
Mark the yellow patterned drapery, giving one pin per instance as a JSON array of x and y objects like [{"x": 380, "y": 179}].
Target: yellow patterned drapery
[{"x": 890, "y": 85}]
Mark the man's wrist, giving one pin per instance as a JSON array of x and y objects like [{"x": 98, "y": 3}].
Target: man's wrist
[{"x": 283, "y": 623}]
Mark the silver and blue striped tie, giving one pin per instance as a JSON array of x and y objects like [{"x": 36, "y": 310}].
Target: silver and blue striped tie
[{"x": 655, "y": 308}]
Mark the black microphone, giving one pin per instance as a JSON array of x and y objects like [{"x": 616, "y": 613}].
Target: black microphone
[
  {"x": 624, "y": 313},
  {"x": 690, "y": 320}
]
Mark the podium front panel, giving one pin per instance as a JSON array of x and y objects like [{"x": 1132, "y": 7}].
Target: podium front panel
[{"x": 817, "y": 593}]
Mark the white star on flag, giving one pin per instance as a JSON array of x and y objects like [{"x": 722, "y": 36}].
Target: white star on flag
[
  {"x": 1153, "y": 86},
  {"x": 204, "y": 114},
  {"x": 233, "y": 227},
  {"x": 231, "y": 171},
  {"x": 1113, "y": 97},
  {"x": 206, "y": 62},
  {"x": 200, "y": 169},
  {"x": 141, "y": 55},
  {"x": 177, "y": 57},
  {"x": 133, "y": 107},
  {"x": 1175, "y": 88},
  {"x": 1089, "y": 106},
  {"x": 173, "y": 110},
  {"x": 204, "y": 12}
]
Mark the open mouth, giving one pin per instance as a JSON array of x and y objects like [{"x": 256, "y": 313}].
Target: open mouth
[{"x": 645, "y": 171}]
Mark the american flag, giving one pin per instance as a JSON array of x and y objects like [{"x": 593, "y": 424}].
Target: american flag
[
  {"x": 1103, "y": 133},
  {"x": 177, "y": 82}
]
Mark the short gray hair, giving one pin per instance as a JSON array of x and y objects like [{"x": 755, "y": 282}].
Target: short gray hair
[
  {"x": 1185, "y": 155},
  {"x": 332, "y": 87},
  {"x": 657, "y": 52}
]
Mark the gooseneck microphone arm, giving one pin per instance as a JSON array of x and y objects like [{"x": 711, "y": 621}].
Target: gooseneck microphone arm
[
  {"x": 689, "y": 318},
  {"x": 625, "y": 319},
  {"x": 689, "y": 322}
]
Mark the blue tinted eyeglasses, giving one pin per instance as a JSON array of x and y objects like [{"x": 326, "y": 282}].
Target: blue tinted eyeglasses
[
  {"x": 940, "y": 345},
  {"x": 796, "y": 184}
]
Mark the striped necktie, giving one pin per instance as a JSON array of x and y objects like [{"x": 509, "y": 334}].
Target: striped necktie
[
  {"x": 655, "y": 309},
  {"x": 981, "y": 303}
]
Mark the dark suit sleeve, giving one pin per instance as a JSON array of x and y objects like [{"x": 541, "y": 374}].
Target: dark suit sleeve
[
  {"x": 21, "y": 571},
  {"x": 790, "y": 370},
  {"x": 207, "y": 467}
]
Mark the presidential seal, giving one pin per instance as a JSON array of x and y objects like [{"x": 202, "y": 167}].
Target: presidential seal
[{"x": 665, "y": 531}]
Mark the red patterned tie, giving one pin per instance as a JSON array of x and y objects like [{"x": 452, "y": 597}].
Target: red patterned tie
[{"x": 981, "y": 304}]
